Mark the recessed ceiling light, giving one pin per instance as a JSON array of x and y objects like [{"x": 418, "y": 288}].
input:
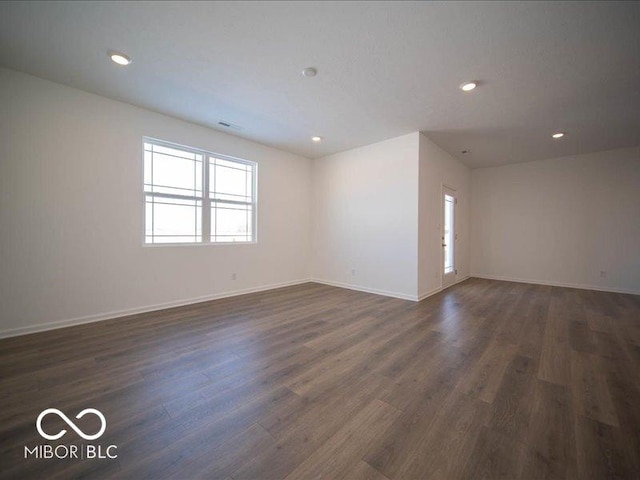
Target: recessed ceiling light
[
  {"x": 309, "y": 72},
  {"x": 558, "y": 135},
  {"x": 119, "y": 58},
  {"x": 316, "y": 139},
  {"x": 468, "y": 86}
]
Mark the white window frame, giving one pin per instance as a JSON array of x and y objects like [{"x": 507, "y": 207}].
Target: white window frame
[{"x": 206, "y": 200}]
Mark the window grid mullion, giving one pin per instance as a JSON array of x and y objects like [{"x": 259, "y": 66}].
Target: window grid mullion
[
  {"x": 206, "y": 202},
  {"x": 215, "y": 191},
  {"x": 195, "y": 217},
  {"x": 153, "y": 208}
]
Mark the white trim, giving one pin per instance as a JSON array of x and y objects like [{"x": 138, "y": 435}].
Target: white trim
[
  {"x": 134, "y": 311},
  {"x": 429, "y": 293},
  {"x": 198, "y": 244},
  {"x": 580, "y": 286},
  {"x": 402, "y": 296},
  {"x": 440, "y": 289}
]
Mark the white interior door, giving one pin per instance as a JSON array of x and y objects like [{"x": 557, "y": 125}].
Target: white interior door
[{"x": 449, "y": 201}]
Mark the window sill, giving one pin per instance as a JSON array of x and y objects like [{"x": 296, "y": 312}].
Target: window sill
[{"x": 198, "y": 244}]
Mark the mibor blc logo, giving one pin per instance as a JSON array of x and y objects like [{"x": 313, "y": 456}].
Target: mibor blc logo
[
  {"x": 58, "y": 435},
  {"x": 71, "y": 451}
]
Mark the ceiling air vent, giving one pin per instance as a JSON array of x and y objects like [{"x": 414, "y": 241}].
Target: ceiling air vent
[{"x": 229, "y": 125}]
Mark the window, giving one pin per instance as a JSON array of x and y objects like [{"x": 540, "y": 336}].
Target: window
[
  {"x": 449, "y": 239},
  {"x": 194, "y": 196}
]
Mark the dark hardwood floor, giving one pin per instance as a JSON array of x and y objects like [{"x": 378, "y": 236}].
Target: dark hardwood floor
[{"x": 484, "y": 380}]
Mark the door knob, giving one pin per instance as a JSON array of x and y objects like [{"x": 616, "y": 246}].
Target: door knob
[{"x": 444, "y": 244}]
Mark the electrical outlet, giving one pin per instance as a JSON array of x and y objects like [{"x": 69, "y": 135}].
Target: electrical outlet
[
  {"x": 233, "y": 276},
  {"x": 353, "y": 272},
  {"x": 603, "y": 274}
]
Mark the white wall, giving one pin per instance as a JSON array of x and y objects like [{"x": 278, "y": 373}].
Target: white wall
[
  {"x": 560, "y": 221},
  {"x": 71, "y": 211},
  {"x": 438, "y": 168},
  {"x": 71, "y": 215},
  {"x": 365, "y": 217}
]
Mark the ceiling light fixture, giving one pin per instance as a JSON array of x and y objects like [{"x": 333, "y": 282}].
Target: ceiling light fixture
[
  {"x": 316, "y": 139},
  {"x": 309, "y": 72},
  {"x": 468, "y": 86},
  {"x": 558, "y": 135},
  {"x": 119, "y": 58}
]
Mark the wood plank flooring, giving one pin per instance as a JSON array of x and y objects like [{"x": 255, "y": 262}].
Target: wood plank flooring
[{"x": 487, "y": 379}]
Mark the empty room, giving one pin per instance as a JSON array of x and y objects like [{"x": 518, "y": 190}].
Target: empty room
[{"x": 378, "y": 240}]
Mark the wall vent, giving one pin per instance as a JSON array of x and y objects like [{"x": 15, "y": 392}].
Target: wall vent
[{"x": 229, "y": 125}]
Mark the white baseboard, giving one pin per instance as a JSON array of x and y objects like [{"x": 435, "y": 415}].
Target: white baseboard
[
  {"x": 160, "y": 306},
  {"x": 133, "y": 311},
  {"x": 439, "y": 289},
  {"x": 422, "y": 296},
  {"x": 359, "y": 288},
  {"x": 386, "y": 293},
  {"x": 556, "y": 284}
]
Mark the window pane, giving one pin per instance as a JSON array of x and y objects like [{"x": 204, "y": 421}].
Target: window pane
[
  {"x": 231, "y": 222},
  {"x": 249, "y": 185},
  {"x": 448, "y": 234},
  {"x": 232, "y": 164},
  {"x": 173, "y": 152},
  {"x": 173, "y": 220},
  {"x": 175, "y": 176},
  {"x": 147, "y": 169},
  {"x": 172, "y": 171},
  {"x": 148, "y": 217},
  {"x": 230, "y": 180}
]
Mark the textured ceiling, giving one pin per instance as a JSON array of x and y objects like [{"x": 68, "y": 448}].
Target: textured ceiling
[{"x": 385, "y": 69}]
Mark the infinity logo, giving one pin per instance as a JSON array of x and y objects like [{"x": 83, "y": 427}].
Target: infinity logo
[{"x": 46, "y": 412}]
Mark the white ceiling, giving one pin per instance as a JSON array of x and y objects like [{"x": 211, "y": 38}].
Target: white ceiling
[{"x": 385, "y": 69}]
